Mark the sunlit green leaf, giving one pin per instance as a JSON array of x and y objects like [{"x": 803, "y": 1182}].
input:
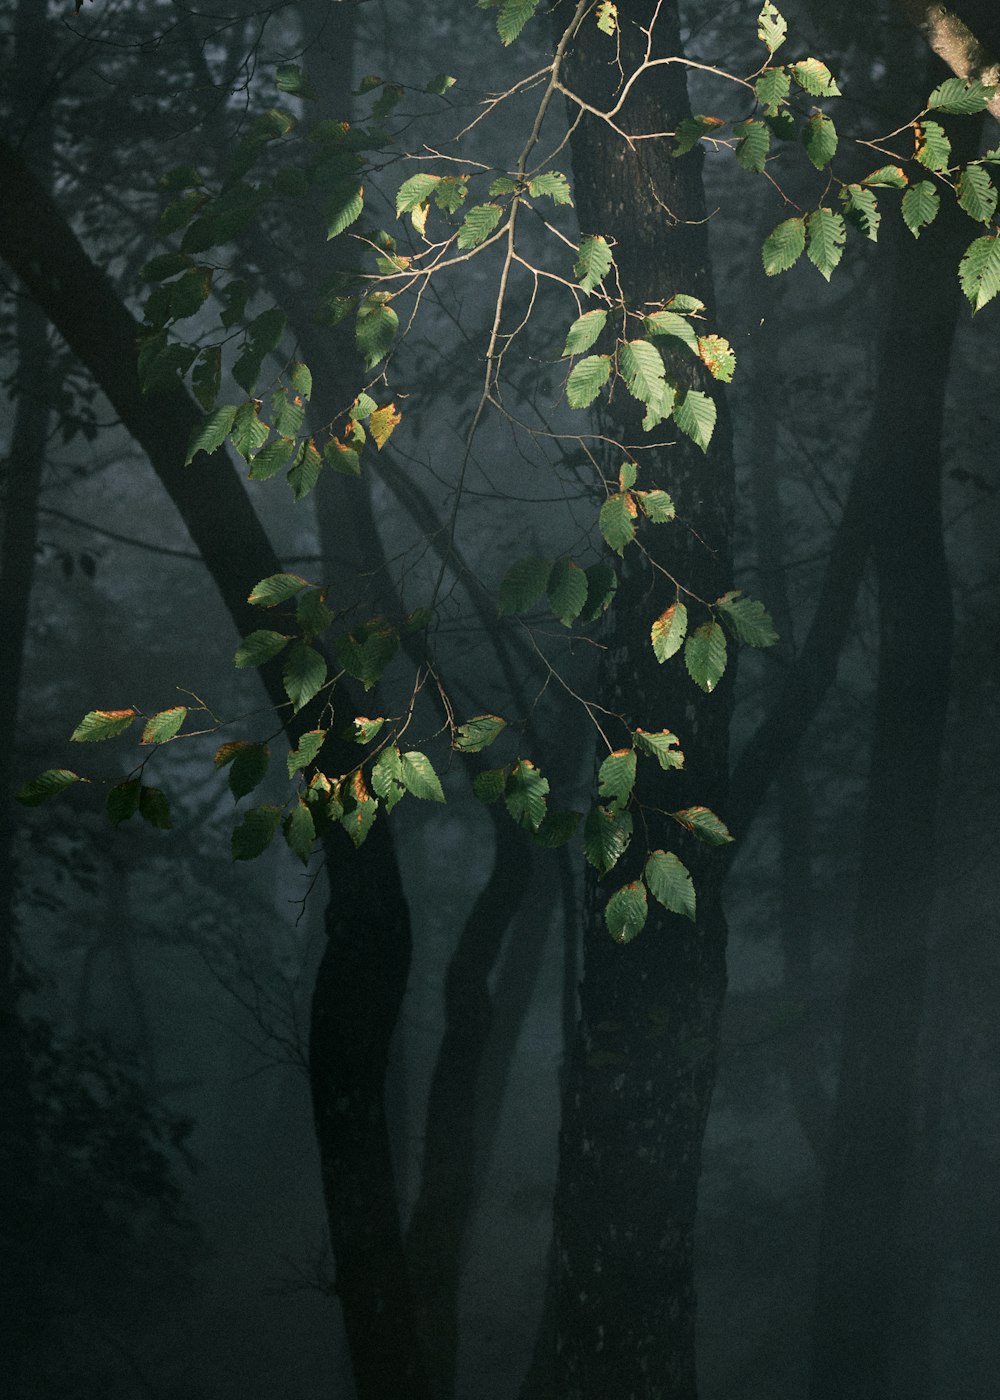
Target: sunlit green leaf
[
  {"x": 584, "y": 331},
  {"x": 772, "y": 28},
  {"x": 617, "y": 520},
  {"x": 586, "y": 380},
  {"x": 102, "y": 724},
  {"x": 977, "y": 194},
  {"x": 276, "y": 588},
  {"x": 303, "y": 673},
  {"x": 963, "y": 97},
  {"x": 161, "y": 728},
  {"x": 920, "y": 206},
  {"x": 979, "y": 271},
  {"x": 616, "y": 779},
  {"x": 478, "y": 733},
  {"x": 478, "y": 224},
  {"x": 593, "y": 262},
  {"x": 513, "y": 16},
  {"x": 753, "y": 145},
  {"x": 419, "y": 778},
  {"x": 861, "y": 210},
  {"x": 813, "y": 76},
  {"x": 375, "y": 330},
  {"x": 524, "y": 794},
  {"x": 625, "y": 913},
  {"x": 695, "y": 414},
  {"x": 567, "y": 590},
  {"x": 553, "y": 184},
  {"x": 690, "y": 130},
  {"x": 704, "y": 824},
  {"x": 932, "y": 148},
  {"x": 749, "y": 620},
  {"x": 668, "y": 632},
  {"x": 606, "y": 836},
  {"x": 670, "y": 883},
  {"x": 364, "y": 654},
  {"x": 825, "y": 235},
  {"x": 661, "y": 745},
  {"x": 212, "y": 433},
  {"x": 309, "y": 746},
  {"x": 705, "y": 655},
  {"x": 259, "y": 647},
  {"x": 784, "y": 246}
]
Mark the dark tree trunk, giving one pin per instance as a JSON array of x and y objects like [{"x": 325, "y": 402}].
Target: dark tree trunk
[{"x": 642, "y": 1066}]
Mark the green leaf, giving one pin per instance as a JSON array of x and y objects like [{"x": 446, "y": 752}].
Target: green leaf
[
  {"x": 607, "y": 17},
  {"x": 567, "y": 590},
  {"x": 617, "y": 520},
  {"x": 181, "y": 211},
  {"x": 375, "y": 330},
  {"x": 704, "y": 824},
  {"x": 555, "y": 829},
  {"x": 813, "y": 76},
  {"x": 753, "y": 145},
  {"x": 584, "y": 331},
  {"x": 419, "y": 778},
  {"x": 748, "y": 619},
  {"x": 586, "y": 380},
  {"x": 670, "y": 884},
  {"x": 819, "y": 136},
  {"x": 248, "y": 434},
  {"x": 478, "y": 733},
  {"x": 166, "y": 265},
  {"x": 503, "y": 185},
  {"x": 286, "y": 416},
  {"x": 343, "y": 209},
  {"x": 772, "y": 89},
  {"x": 625, "y": 913},
  {"x": 593, "y": 262},
  {"x": 602, "y": 584},
  {"x": 784, "y": 246},
  {"x": 961, "y": 96},
  {"x": 154, "y": 808},
  {"x": 190, "y": 292},
  {"x": 641, "y": 366},
  {"x": 931, "y": 149},
  {"x": 478, "y": 224},
  {"x": 271, "y": 458},
  {"x": 312, "y": 614},
  {"x": 45, "y": 786},
  {"x": 513, "y": 16},
  {"x": 553, "y": 184},
  {"x": 303, "y": 673},
  {"x": 206, "y": 377},
  {"x": 628, "y": 473},
  {"x": 162, "y": 727},
  {"x": 979, "y": 271},
  {"x": 304, "y": 472},
  {"x": 920, "y": 206},
  {"x": 259, "y": 647},
  {"x": 440, "y": 84},
  {"x": 690, "y": 130},
  {"x": 276, "y": 588},
  {"x": 887, "y": 177},
  {"x": 772, "y": 29},
  {"x": 290, "y": 78},
  {"x": 489, "y": 785},
  {"x": 705, "y": 655},
  {"x": 387, "y": 776},
  {"x": 364, "y": 654},
  {"x": 861, "y": 210},
  {"x": 606, "y": 836},
  {"x": 364, "y": 730},
  {"x": 670, "y": 323},
  {"x": 414, "y": 192},
  {"x": 263, "y": 335},
  {"x": 616, "y": 779},
  {"x": 248, "y": 769},
  {"x": 661, "y": 745},
  {"x": 255, "y": 832},
  {"x": 523, "y": 585},
  {"x": 718, "y": 357},
  {"x": 212, "y": 433},
  {"x": 695, "y": 415},
  {"x": 123, "y": 801},
  {"x": 358, "y": 820},
  {"x": 309, "y": 746},
  {"x": 300, "y": 377},
  {"x": 524, "y": 794},
  {"x": 825, "y": 235},
  {"x": 341, "y": 458},
  {"x": 977, "y": 194},
  {"x": 299, "y": 831},
  {"x": 668, "y": 632},
  {"x": 102, "y": 724}
]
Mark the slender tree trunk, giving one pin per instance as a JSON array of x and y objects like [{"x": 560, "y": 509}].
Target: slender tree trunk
[{"x": 642, "y": 1066}]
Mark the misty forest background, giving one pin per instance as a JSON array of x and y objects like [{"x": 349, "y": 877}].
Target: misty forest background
[{"x": 172, "y": 1236}]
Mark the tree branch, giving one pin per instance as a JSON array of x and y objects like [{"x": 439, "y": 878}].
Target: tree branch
[{"x": 948, "y": 35}]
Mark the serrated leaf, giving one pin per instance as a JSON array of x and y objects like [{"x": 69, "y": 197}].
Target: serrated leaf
[
  {"x": 887, "y": 177},
  {"x": 271, "y": 459},
  {"x": 584, "y": 331},
  {"x": 718, "y": 357},
  {"x": 669, "y": 882},
  {"x": 524, "y": 793},
  {"x": 45, "y": 786},
  {"x": 503, "y": 185},
  {"x": 387, "y": 776},
  {"x": 375, "y": 330},
  {"x": 248, "y": 768},
  {"x": 704, "y": 824},
  {"x": 555, "y": 829},
  {"x": 753, "y": 145},
  {"x": 602, "y": 584},
  {"x": 489, "y": 785},
  {"x": 365, "y": 654},
  {"x": 661, "y": 745},
  {"x": 259, "y": 647},
  {"x": 772, "y": 89},
  {"x": 478, "y": 733},
  {"x": 276, "y": 588},
  {"x": 301, "y": 380},
  {"x": 919, "y": 207},
  {"x": 304, "y": 472},
  {"x": 341, "y": 458},
  {"x": 813, "y": 76},
  {"x": 287, "y": 415},
  {"x": 705, "y": 655},
  {"x": 383, "y": 422},
  {"x": 616, "y": 779},
  {"x": 414, "y": 192},
  {"x": 606, "y": 836},
  {"x": 627, "y": 476},
  {"x": 979, "y": 271},
  {"x": 303, "y": 674},
  {"x": 255, "y": 832},
  {"x": 749, "y": 619},
  {"x": 123, "y": 801},
  {"x": 671, "y": 323},
  {"x": 931, "y": 147},
  {"x": 154, "y": 808},
  {"x": 668, "y": 632},
  {"x": 478, "y": 224},
  {"x": 607, "y": 17},
  {"x": 212, "y": 433},
  {"x": 102, "y": 724},
  {"x": 690, "y": 130},
  {"x": 772, "y": 29},
  {"x": 523, "y": 585},
  {"x": 363, "y": 406},
  {"x": 784, "y": 246},
  {"x": 419, "y": 778},
  {"x": 312, "y": 614},
  {"x": 819, "y": 136},
  {"x": 226, "y": 753},
  {"x": 963, "y": 97},
  {"x": 343, "y": 209},
  {"x": 161, "y": 728},
  {"x": 290, "y": 78},
  {"x": 861, "y": 209},
  {"x": 206, "y": 377},
  {"x": 593, "y": 262},
  {"x": 586, "y": 380},
  {"x": 513, "y": 16},
  {"x": 248, "y": 434},
  {"x": 263, "y": 335},
  {"x": 625, "y": 912},
  {"x": 617, "y": 520},
  {"x": 364, "y": 730},
  {"x": 360, "y": 815},
  {"x": 695, "y": 415},
  {"x": 825, "y": 235},
  {"x": 641, "y": 366},
  {"x": 977, "y": 194},
  {"x": 567, "y": 590},
  {"x": 305, "y": 753},
  {"x": 299, "y": 830},
  {"x": 553, "y": 184}
]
